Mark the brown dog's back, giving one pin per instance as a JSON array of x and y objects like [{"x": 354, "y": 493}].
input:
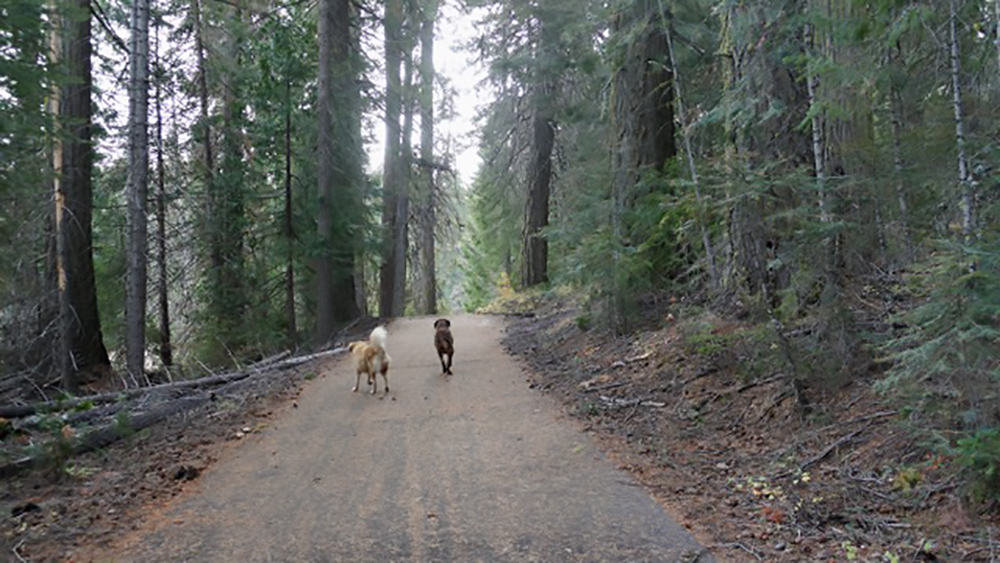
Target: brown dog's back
[{"x": 444, "y": 343}]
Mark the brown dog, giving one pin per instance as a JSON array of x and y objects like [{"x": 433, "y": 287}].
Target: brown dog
[
  {"x": 444, "y": 343},
  {"x": 372, "y": 359}
]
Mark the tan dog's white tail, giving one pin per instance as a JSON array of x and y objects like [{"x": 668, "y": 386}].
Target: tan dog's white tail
[
  {"x": 380, "y": 363},
  {"x": 378, "y": 337}
]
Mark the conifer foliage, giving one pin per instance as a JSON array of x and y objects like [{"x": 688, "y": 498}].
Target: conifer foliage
[{"x": 828, "y": 170}]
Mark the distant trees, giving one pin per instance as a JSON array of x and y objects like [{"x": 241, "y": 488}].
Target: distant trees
[
  {"x": 807, "y": 167},
  {"x": 265, "y": 221},
  {"x": 818, "y": 130}
]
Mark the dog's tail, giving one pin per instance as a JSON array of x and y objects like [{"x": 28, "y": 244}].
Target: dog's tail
[{"x": 378, "y": 337}]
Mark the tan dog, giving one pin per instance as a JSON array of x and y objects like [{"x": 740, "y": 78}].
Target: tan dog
[
  {"x": 372, "y": 359},
  {"x": 444, "y": 343}
]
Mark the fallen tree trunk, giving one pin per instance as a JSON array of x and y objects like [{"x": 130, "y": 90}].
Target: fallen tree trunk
[
  {"x": 17, "y": 411},
  {"x": 109, "y": 433},
  {"x": 114, "y": 431}
]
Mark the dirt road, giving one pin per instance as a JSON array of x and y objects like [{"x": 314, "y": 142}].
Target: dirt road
[{"x": 471, "y": 467}]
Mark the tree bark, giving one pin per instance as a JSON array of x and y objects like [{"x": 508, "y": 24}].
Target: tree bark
[
  {"x": 429, "y": 222},
  {"x": 337, "y": 171},
  {"x": 162, "y": 296},
  {"x": 63, "y": 348},
  {"x": 818, "y": 150},
  {"x": 82, "y": 349},
  {"x": 350, "y": 158},
  {"x": 535, "y": 249},
  {"x": 324, "y": 175},
  {"x": 401, "y": 230},
  {"x": 643, "y": 109},
  {"x": 205, "y": 128},
  {"x": 967, "y": 201},
  {"x": 228, "y": 296},
  {"x": 291, "y": 330},
  {"x": 391, "y": 167},
  {"x": 896, "y": 109},
  {"x": 996, "y": 40},
  {"x": 136, "y": 188},
  {"x": 535, "y": 246}
]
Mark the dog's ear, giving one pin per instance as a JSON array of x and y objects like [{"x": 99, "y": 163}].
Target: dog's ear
[{"x": 447, "y": 323}]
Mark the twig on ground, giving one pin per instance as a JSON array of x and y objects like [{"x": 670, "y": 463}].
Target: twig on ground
[
  {"x": 826, "y": 451},
  {"x": 631, "y": 413},
  {"x": 604, "y": 387},
  {"x": 829, "y": 449},
  {"x": 204, "y": 367},
  {"x": 872, "y": 491},
  {"x": 880, "y": 414},
  {"x": 638, "y": 358},
  {"x": 758, "y": 382},
  {"x": 737, "y": 545},
  {"x": 774, "y": 404},
  {"x": 700, "y": 374},
  {"x": 614, "y": 402},
  {"x": 37, "y": 388},
  {"x": 16, "y": 554}
]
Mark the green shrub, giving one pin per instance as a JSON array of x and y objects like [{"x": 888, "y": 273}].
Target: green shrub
[{"x": 980, "y": 453}]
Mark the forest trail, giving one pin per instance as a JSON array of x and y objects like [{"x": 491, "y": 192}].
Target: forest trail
[{"x": 471, "y": 467}]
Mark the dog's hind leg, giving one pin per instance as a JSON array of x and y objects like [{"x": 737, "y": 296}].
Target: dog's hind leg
[{"x": 357, "y": 381}]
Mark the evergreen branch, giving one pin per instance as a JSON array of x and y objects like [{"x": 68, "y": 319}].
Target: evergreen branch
[{"x": 98, "y": 12}]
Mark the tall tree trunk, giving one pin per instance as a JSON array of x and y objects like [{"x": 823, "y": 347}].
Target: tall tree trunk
[
  {"x": 337, "y": 172},
  {"x": 136, "y": 188},
  {"x": 535, "y": 247},
  {"x": 204, "y": 127},
  {"x": 87, "y": 356},
  {"x": 689, "y": 153},
  {"x": 228, "y": 300},
  {"x": 350, "y": 251},
  {"x": 391, "y": 165},
  {"x": 967, "y": 201},
  {"x": 162, "y": 297},
  {"x": 324, "y": 174},
  {"x": 896, "y": 110},
  {"x": 996, "y": 40},
  {"x": 429, "y": 223},
  {"x": 290, "y": 326},
  {"x": 643, "y": 128},
  {"x": 818, "y": 150},
  {"x": 63, "y": 349},
  {"x": 401, "y": 230}
]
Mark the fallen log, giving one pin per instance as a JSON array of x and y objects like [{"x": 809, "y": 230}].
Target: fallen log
[
  {"x": 110, "y": 433},
  {"x": 270, "y": 360},
  {"x": 18, "y": 411}
]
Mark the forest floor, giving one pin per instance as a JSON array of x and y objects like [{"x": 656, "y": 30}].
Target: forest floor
[
  {"x": 738, "y": 462},
  {"x": 734, "y": 460}
]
